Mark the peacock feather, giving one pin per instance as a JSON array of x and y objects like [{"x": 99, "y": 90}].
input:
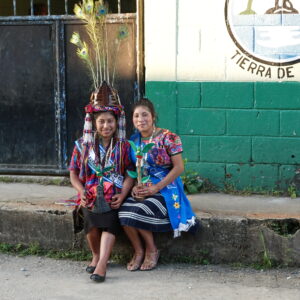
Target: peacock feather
[{"x": 95, "y": 53}]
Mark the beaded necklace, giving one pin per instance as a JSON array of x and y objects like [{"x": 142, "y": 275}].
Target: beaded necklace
[{"x": 107, "y": 156}]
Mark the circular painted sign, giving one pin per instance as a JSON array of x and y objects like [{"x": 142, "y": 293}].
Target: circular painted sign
[{"x": 267, "y": 31}]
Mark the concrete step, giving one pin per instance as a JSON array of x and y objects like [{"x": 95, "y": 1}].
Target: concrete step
[{"x": 234, "y": 229}]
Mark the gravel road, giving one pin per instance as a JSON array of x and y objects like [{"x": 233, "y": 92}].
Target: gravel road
[{"x": 34, "y": 278}]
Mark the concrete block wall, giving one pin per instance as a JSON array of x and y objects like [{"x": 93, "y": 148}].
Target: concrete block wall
[{"x": 230, "y": 133}]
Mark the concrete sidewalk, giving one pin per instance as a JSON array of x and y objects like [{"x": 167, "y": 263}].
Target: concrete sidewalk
[
  {"x": 234, "y": 228},
  {"x": 32, "y": 196},
  {"x": 254, "y": 206}
]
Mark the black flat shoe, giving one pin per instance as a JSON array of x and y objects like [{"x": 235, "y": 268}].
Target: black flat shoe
[
  {"x": 97, "y": 278},
  {"x": 90, "y": 269}
]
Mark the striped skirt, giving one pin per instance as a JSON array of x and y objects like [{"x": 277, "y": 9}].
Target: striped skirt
[{"x": 149, "y": 214}]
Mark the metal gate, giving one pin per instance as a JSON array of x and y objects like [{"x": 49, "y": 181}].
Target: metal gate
[{"x": 44, "y": 88}]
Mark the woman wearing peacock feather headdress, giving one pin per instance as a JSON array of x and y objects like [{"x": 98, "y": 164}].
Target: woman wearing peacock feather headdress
[{"x": 100, "y": 158}]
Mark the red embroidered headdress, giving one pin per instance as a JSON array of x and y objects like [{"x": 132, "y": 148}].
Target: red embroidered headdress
[{"x": 105, "y": 99}]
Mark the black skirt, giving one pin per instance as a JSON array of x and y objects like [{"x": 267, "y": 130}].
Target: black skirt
[{"x": 105, "y": 222}]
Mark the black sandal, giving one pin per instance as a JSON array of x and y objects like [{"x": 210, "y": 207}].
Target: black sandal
[
  {"x": 97, "y": 278},
  {"x": 90, "y": 269}
]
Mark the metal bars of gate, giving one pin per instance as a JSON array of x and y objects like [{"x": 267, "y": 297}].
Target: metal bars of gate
[
  {"x": 49, "y": 7},
  {"x": 15, "y": 7},
  {"x": 32, "y": 10}
]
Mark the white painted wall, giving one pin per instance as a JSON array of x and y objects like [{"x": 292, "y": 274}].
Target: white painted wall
[
  {"x": 187, "y": 40},
  {"x": 160, "y": 39}
]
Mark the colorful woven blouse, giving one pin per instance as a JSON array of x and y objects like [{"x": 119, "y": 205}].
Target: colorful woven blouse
[
  {"x": 167, "y": 144},
  {"x": 119, "y": 158}
]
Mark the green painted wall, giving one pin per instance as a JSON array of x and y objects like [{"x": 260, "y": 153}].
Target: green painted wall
[{"x": 243, "y": 134}]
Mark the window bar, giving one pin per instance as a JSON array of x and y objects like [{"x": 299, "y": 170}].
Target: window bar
[
  {"x": 49, "y": 7},
  {"x": 119, "y": 6},
  {"x": 15, "y": 7},
  {"x": 66, "y": 7},
  {"x": 31, "y": 8}
]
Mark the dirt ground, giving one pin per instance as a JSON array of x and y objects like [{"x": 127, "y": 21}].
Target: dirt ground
[{"x": 34, "y": 278}]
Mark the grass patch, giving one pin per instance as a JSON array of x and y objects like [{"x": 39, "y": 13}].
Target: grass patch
[
  {"x": 21, "y": 250},
  {"x": 266, "y": 260},
  {"x": 120, "y": 258},
  {"x": 202, "y": 258},
  {"x": 85, "y": 255},
  {"x": 292, "y": 191},
  {"x": 287, "y": 227},
  {"x": 71, "y": 254},
  {"x": 44, "y": 180},
  {"x": 35, "y": 249},
  {"x": 248, "y": 191},
  {"x": 182, "y": 259}
]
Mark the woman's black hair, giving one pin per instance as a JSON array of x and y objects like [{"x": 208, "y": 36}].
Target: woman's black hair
[{"x": 147, "y": 103}]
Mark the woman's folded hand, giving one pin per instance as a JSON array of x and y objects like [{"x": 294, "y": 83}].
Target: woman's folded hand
[{"x": 116, "y": 201}]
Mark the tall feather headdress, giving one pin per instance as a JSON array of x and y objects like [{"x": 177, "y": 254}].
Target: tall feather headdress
[{"x": 101, "y": 68}]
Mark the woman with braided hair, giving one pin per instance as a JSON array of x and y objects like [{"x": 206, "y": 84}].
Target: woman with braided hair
[{"x": 98, "y": 173}]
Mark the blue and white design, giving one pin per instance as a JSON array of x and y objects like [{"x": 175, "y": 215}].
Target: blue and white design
[{"x": 267, "y": 31}]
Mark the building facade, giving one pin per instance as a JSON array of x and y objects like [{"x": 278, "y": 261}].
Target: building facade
[{"x": 225, "y": 76}]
